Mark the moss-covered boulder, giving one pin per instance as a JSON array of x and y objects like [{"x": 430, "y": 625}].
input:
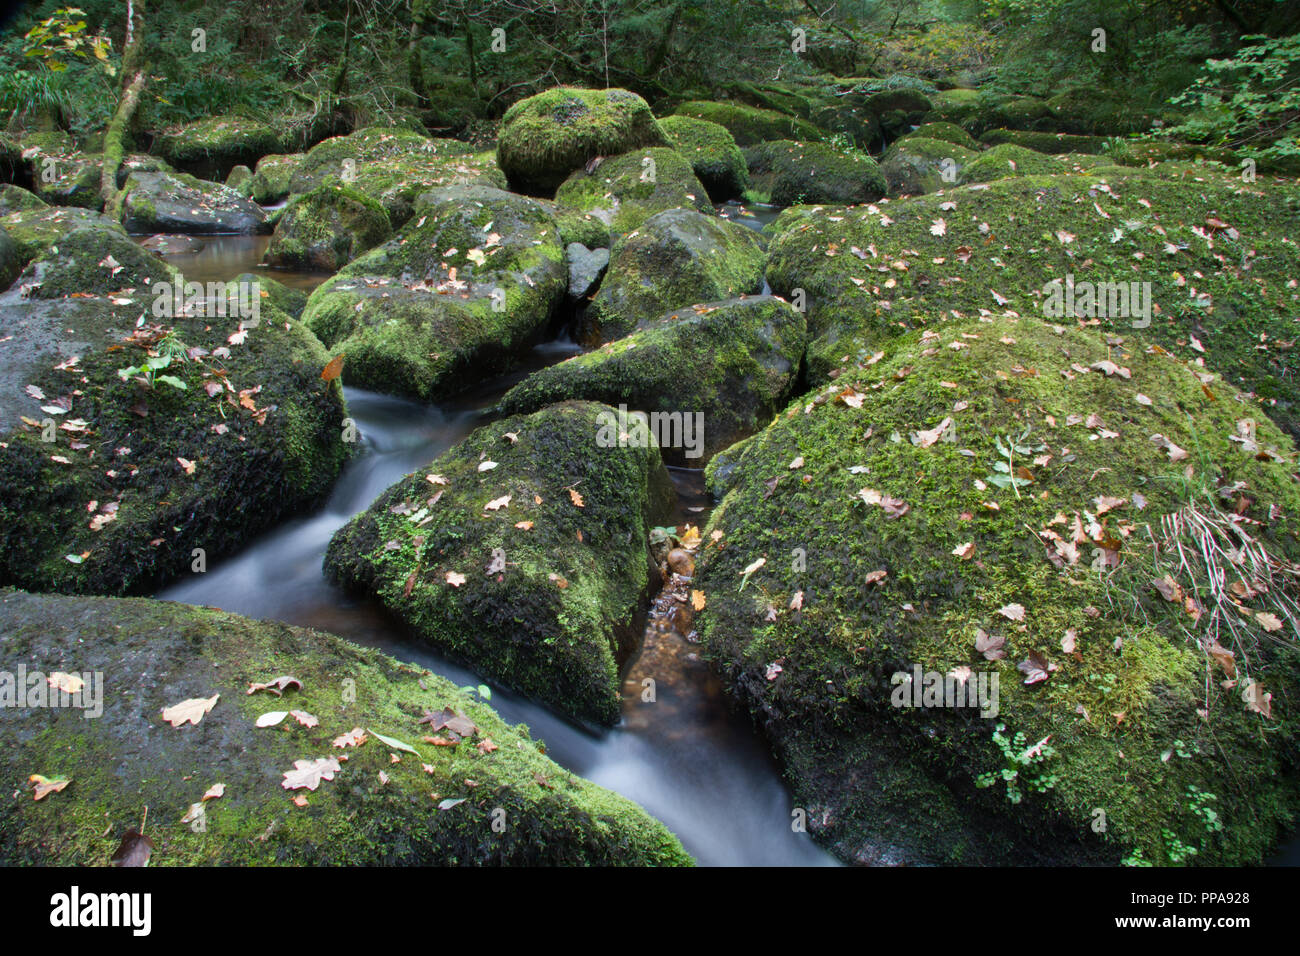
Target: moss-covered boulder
[
  {"x": 92, "y": 261},
  {"x": 871, "y": 538},
  {"x": 624, "y": 191},
  {"x": 522, "y": 551},
  {"x": 272, "y": 177},
  {"x": 749, "y": 125},
  {"x": 66, "y": 177},
  {"x": 733, "y": 364},
  {"x": 34, "y": 228},
  {"x": 546, "y": 137},
  {"x": 464, "y": 288},
  {"x": 712, "y": 153},
  {"x": 1023, "y": 113},
  {"x": 134, "y": 455},
  {"x": 945, "y": 132},
  {"x": 433, "y": 806},
  {"x": 327, "y": 228},
  {"x": 1006, "y": 160},
  {"x": 288, "y": 300},
  {"x": 11, "y": 259},
  {"x": 214, "y": 146},
  {"x": 176, "y": 202},
  {"x": 1052, "y": 143},
  {"x": 11, "y": 160},
  {"x": 915, "y": 165},
  {"x": 961, "y": 107},
  {"x": 897, "y": 110},
  {"x": 1139, "y": 152},
  {"x": 673, "y": 260},
  {"x": 239, "y": 178},
  {"x": 791, "y": 173},
  {"x": 14, "y": 198},
  {"x": 1216, "y": 252},
  {"x": 1092, "y": 111},
  {"x": 393, "y": 166}
]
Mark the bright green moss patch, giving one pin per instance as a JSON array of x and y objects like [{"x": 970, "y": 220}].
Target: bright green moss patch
[
  {"x": 712, "y": 152},
  {"x": 492, "y": 799},
  {"x": 749, "y": 125},
  {"x": 548, "y": 608},
  {"x": 1051, "y": 143},
  {"x": 915, "y": 165},
  {"x": 1009, "y": 159},
  {"x": 327, "y": 228},
  {"x": 792, "y": 173},
  {"x": 625, "y": 190},
  {"x": 546, "y": 137},
  {"x": 894, "y": 542},
  {"x": 945, "y": 132}
]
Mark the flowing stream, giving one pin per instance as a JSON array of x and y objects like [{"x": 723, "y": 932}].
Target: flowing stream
[{"x": 685, "y": 757}]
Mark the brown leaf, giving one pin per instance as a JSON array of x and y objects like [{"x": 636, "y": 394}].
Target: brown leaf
[
  {"x": 309, "y": 773},
  {"x": 277, "y": 685},
  {"x": 1034, "y": 668},
  {"x": 333, "y": 370},
  {"x": 44, "y": 786},
  {"x": 575, "y": 497},
  {"x": 134, "y": 850},
  {"x": 1168, "y": 588},
  {"x": 990, "y": 645}
]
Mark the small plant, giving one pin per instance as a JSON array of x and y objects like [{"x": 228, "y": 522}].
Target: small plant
[
  {"x": 1198, "y": 801},
  {"x": 1023, "y": 768},
  {"x": 1006, "y": 473},
  {"x": 166, "y": 350}
]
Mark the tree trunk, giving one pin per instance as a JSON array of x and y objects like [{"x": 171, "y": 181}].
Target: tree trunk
[
  {"x": 414, "y": 65},
  {"x": 134, "y": 77}
]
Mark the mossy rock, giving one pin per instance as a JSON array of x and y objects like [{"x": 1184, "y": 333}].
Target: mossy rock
[
  {"x": 556, "y": 618},
  {"x": 1052, "y": 143},
  {"x": 734, "y": 363},
  {"x": 897, "y": 110},
  {"x": 92, "y": 261},
  {"x": 239, "y": 179},
  {"x": 916, "y": 165},
  {"x": 1144, "y": 152},
  {"x": 272, "y": 177},
  {"x": 175, "y": 202},
  {"x": 1091, "y": 112},
  {"x": 215, "y": 145},
  {"x": 960, "y": 107},
  {"x": 770, "y": 97},
  {"x": 49, "y": 141},
  {"x": 582, "y": 227},
  {"x": 12, "y": 167},
  {"x": 462, "y": 290},
  {"x": 624, "y": 191},
  {"x": 15, "y": 198},
  {"x": 673, "y": 260},
  {"x": 546, "y": 137},
  {"x": 1009, "y": 159},
  {"x": 712, "y": 153},
  {"x": 233, "y": 435},
  {"x": 749, "y": 125},
  {"x": 11, "y": 259},
  {"x": 1015, "y": 236},
  {"x": 944, "y": 132},
  {"x": 327, "y": 228},
  {"x": 289, "y": 301},
  {"x": 371, "y": 812},
  {"x": 901, "y": 549},
  {"x": 140, "y": 162},
  {"x": 393, "y": 166},
  {"x": 1023, "y": 113},
  {"x": 793, "y": 173},
  {"x": 34, "y": 228},
  {"x": 75, "y": 179}
]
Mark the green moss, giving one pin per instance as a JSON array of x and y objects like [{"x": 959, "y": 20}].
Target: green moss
[
  {"x": 624, "y": 191},
  {"x": 559, "y": 618},
  {"x": 734, "y": 363},
  {"x": 272, "y": 176},
  {"x": 153, "y": 202},
  {"x": 915, "y": 165},
  {"x": 15, "y": 198},
  {"x": 1017, "y": 235},
  {"x": 546, "y": 137},
  {"x": 749, "y": 125},
  {"x": 409, "y": 326},
  {"x": 899, "y": 784},
  {"x": 224, "y": 140},
  {"x": 712, "y": 152},
  {"x": 794, "y": 173},
  {"x": 34, "y": 228},
  {"x": 327, "y": 228},
  {"x": 1051, "y": 143},
  {"x": 373, "y": 812},
  {"x": 674, "y": 259},
  {"x": 944, "y": 132},
  {"x": 92, "y": 261},
  {"x": 1009, "y": 159}
]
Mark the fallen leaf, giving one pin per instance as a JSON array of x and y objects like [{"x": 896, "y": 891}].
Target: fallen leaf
[
  {"x": 1012, "y": 612},
  {"x": 333, "y": 370},
  {"x": 189, "y": 711},
  {"x": 308, "y": 774},
  {"x": 45, "y": 786}
]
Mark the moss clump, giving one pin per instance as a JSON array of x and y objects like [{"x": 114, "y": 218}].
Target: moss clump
[
  {"x": 464, "y": 288},
  {"x": 546, "y": 137},
  {"x": 734, "y": 363},
  {"x": 793, "y": 173},
  {"x": 175, "y": 202},
  {"x": 915, "y": 165},
  {"x": 15, "y": 198},
  {"x": 272, "y": 176},
  {"x": 582, "y": 227},
  {"x": 1012, "y": 238},
  {"x": 373, "y": 812},
  {"x": 327, "y": 228},
  {"x": 289, "y": 301},
  {"x": 902, "y": 549},
  {"x": 35, "y": 228},
  {"x": 75, "y": 177},
  {"x": 550, "y": 608},
  {"x": 1052, "y": 143},
  {"x": 219, "y": 143},
  {"x": 626, "y": 190},
  {"x": 108, "y": 504},
  {"x": 91, "y": 261},
  {"x": 674, "y": 259},
  {"x": 944, "y": 132},
  {"x": 712, "y": 152},
  {"x": 1009, "y": 159},
  {"x": 11, "y": 259},
  {"x": 1093, "y": 112},
  {"x": 960, "y": 107},
  {"x": 749, "y": 125}
]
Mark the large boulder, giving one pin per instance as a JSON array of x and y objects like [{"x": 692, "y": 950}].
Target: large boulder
[
  {"x": 134, "y": 454},
  {"x": 673, "y": 260},
  {"x": 327, "y": 228},
  {"x": 792, "y": 173},
  {"x": 465, "y": 287},
  {"x": 712, "y": 152},
  {"x": 381, "y": 805},
  {"x": 749, "y": 125},
  {"x": 945, "y": 132},
  {"x": 15, "y": 198},
  {"x": 915, "y": 165},
  {"x": 35, "y": 228},
  {"x": 175, "y": 202},
  {"x": 624, "y": 191},
  {"x": 1009, "y": 159},
  {"x": 212, "y": 147},
  {"x": 546, "y": 137},
  {"x": 1052, "y": 143},
  {"x": 871, "y": 547},
  {"x": 1001, "y": 246},
  {"x": 66, "y": 177},
  {"x": 522, "y": 551},
  {"x": 730, "y": 364},
  {"x": 272, "y": 177}
]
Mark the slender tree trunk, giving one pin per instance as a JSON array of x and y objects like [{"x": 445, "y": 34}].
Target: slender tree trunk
[
  {"x": 469, "y": 49},
  {"x": 414, "y": 65},
  {"x": 341, "y": 78},
  {"x": 134, "y": 77}
]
